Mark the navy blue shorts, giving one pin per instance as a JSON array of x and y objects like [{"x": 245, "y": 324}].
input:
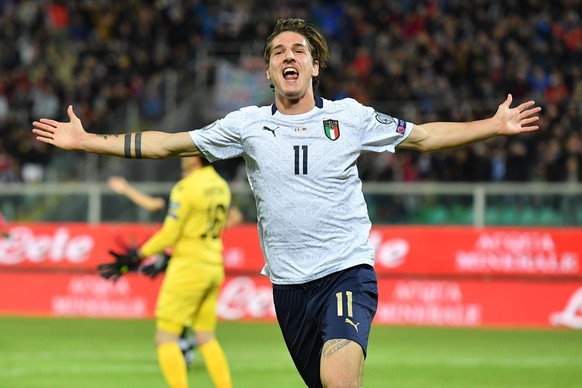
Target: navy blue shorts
[{"x": 338, "y": 306}]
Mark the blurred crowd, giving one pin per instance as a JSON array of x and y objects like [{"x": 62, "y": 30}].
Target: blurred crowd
[{"x": 423, "y": 60}]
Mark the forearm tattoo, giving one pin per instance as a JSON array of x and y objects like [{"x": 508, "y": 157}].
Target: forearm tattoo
[
  {"x": 127, "y": 152},
  {"x": 333, "y": 346},
  {"x": 127, "y": 146},
  {"x": 138, "y": 145}
]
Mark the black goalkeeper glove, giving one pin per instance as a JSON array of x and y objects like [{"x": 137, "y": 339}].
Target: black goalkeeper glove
[
  {"x": 124, "y": 262},
  {"x": 158, "y": 266}
]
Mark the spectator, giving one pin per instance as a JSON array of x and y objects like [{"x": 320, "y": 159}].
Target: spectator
[{"x": 394, "y": 56}]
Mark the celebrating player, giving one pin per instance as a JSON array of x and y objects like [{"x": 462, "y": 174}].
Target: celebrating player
[{"x": 300, "y": 155}]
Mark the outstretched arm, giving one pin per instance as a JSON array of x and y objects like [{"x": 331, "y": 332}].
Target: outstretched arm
[
  {"x": 441, "y": 135},
  {"x": 147, "y": 145},
  {"x": 141, "y": 199}
]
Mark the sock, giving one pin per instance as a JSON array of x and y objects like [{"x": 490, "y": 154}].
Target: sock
[
  {"x": 216, "y": 364},
  {"x": 173, "y": 365}
]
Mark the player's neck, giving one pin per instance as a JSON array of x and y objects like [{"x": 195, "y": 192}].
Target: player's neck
[{"x": 289, "y": 106}]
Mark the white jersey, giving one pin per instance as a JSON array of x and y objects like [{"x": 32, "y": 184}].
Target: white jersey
[{"x": 312, "y": 217}]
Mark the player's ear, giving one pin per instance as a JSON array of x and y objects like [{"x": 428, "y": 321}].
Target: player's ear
[
  {"x": 315, "y": 71},
  {"x": 267, "y": 72}
]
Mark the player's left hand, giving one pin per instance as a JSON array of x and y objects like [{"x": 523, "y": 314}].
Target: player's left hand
[
  {"x": 513, "y": 121},
  {"x": 158, "y": 266},
  {"x": 124, "y": 262}
]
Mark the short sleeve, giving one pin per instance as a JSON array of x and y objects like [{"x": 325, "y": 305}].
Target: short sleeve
[
  {"x": 222, "y": 138},
  {"x": 382, "y": 132}
]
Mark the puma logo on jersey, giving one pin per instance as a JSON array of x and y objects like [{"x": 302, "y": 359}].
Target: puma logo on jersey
[
  {"x": 355, "y": 325},
  {"x": 265, "y": 128}
]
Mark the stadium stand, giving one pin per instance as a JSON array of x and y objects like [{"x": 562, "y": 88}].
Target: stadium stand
[{"x": 416, "y": 60}]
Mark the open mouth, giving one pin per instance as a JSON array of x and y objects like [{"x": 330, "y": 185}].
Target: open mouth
[{"x": 290, "y": 73}]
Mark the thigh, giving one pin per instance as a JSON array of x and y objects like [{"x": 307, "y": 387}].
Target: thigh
[
  {"x": 342, "y": 363},
  {"x": 340, "y": 306},
  {"x": 205, "y": 317},
  {"x": 173, "y": 310},
  {"x": 300, "y": 331},
  {"x": 183, "y": 292},
  {"x": 351, "y": 304},
  {"x": 352, "y": 301}
]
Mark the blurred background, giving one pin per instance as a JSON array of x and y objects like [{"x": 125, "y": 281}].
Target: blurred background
[{"x": 177, "y": 65}]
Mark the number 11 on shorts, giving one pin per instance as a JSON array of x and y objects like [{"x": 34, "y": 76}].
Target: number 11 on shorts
[{"x": 340, "y": 303}]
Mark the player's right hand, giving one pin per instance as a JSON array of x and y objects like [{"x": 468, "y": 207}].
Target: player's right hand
[
  {"x": 65, "y": 135},
  {"x": 124, "y": 262}
]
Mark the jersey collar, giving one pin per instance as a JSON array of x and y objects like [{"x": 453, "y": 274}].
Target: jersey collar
[{"x": 318, "y": 103}]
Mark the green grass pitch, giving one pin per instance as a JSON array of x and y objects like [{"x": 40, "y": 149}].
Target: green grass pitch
[{"x": 97, "y": 353}]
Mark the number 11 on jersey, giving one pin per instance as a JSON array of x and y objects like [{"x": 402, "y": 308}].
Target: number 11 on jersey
[{"x": 300, "y": 159}]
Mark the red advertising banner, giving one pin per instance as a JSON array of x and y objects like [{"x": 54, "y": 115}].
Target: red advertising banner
[
  {"x": 479, "y": 303},
  {"x": 400, "y": 250},
  {"x": 529, "y": 252},
  {"x": 80, "y": 246},
  {"x": 132, "y": 296},
  {"x": 401, "y": 302},
  {"x": 446, "y": 276},
  {"x": 84, "y": 295},
  {"x": 67, "y": 246}
]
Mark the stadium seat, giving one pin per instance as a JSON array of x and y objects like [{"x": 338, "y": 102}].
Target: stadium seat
[
  {"x": 528, "y": 216},
  {"x": 437, "y": 215},
  {"x": 461, "y": 215},
  {"x": 508, "y": 216},
  {"x": 492, "y": 215},
  {"x": 549, "y": 217}
]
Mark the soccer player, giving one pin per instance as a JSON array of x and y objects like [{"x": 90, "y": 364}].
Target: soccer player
[
  {"x": 197, "y": 214},
  {"x": 121, "y": 186},
  {"x": 300, "y": 155}
]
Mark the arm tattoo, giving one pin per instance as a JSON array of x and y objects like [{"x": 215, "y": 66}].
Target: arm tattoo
[
  {"x": 138, "y": 145},
  {"x": 127, "y": 146},
  {"x": 103, "y": 136},
  {"x": 333, "y": 346}
]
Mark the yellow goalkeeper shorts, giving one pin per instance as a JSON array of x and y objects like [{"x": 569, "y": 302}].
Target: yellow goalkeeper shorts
[{"x": 189, "y": 296}]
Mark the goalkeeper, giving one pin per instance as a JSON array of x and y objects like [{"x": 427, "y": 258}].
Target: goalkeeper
[{"x": 197, "y": 214}]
